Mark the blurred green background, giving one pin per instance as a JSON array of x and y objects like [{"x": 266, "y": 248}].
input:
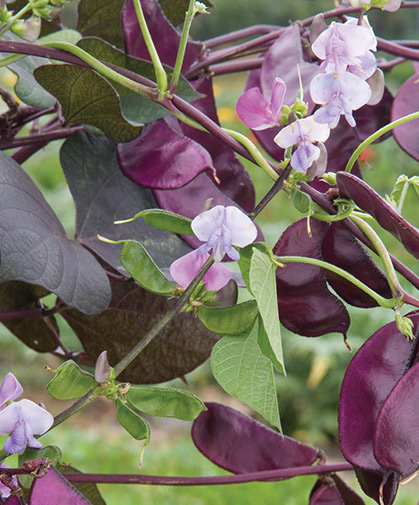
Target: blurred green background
[{"x": 93, "y": 440}]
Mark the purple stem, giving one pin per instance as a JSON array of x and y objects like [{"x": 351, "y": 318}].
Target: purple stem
[
  {"x": 325, "y": 203},
  {"x": 388, "y": 65},
  {"x": 397, "y": 49},
  {"x": 157, "y": 480},
  {"x": 239, "y": 34},
  {"x": 230, "y": 67},
  {"x": 39, "y": 138},
  {"x": 18, "y": 314}
]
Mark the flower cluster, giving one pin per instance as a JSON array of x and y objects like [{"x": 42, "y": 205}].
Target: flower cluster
[
  {"x": 22, "y": 420},
  {"x": 220, "y": 228},
  {"x": 348, "y": 61}
]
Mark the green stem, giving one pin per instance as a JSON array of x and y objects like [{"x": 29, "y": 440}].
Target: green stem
[
  {"x": 161, "y": 77},
  {"x": 190, "y": 14},
  {"x": 254, "y": 151},
  {"x": 12, "y": 58},
  {"x": 100, "y": 67},
  {"x": 376, "y": 135},
  {"x": 149, "y": 336},
  {"x": 384, "y": 302},
  {"x": 78, "y": 405},
  {"x": 392, "y": 279},
  {"x": 14, "y": 18},
  {"x": 332, "y": 217}
]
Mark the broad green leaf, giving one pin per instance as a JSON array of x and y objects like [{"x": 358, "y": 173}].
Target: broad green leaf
[
  {"x": 136, "y": 426},
  {"x": 228, "y": 320},
  {"x": 243, "y": 371},
  {"x": 70, "y": 382},
  {"x": 87, "y": 98},
  {"x": 301, "y": 201},
  {"x": 102, "y": 19},
  {"x": 266, "y": 348},
  {"x": 175, "y": 10},
  {"x": 165, "y": 402},
  {"x": 263, "y": 286},
  {"x": 245, "y": 258},
  {"x": 139, "y": 264},
  {"x": 87, "y": 489},
  {"x": 165, "y": 220},
  {"x": 135, "y": 108}
]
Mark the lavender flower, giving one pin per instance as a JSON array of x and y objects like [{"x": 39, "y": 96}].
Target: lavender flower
[
  {"x": 303, "y": 133},
  {"x": 256, "y": 112},
  {"x": 10, "y": 389},
  {"x": 340, "y": 94}
]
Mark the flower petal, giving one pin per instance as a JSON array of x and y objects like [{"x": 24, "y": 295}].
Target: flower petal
[
  {"x": 304, "y": 156},
  {"x": 254, "y": 110},
  {"x": 10, "y": 389},
  {"x": 242, "y": 228},
  {"x": 207, "y": 222},
  {"x": 39, "y": 419},
  {"x": 279, "y": 89}
]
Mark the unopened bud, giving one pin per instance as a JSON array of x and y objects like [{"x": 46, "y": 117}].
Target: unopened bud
[{"x": 102, "y": 367}]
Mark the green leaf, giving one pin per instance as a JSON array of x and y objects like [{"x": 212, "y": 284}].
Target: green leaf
[
  {"x": 228, "y": 320},
  {"x": 70, "y": 382},
  {"x": 164, "y": 220},
  {"x": 398, "y": 189},
  {"x": 87, "y": 98},
  {"x": 136, "y": 426},
  {"x": 243, "y": 371},
  {"x": 139, "y": 264},
  {"x": 263, "y": 286},
  {"x": 101, "y": 19},
  {"x": 51, "y": 452},
  {"x": 245, "y": 258},
  {"x": 135, "y": 108},
  {"x": 301, "y": 201},
  {"x": 165, "y": 402}
]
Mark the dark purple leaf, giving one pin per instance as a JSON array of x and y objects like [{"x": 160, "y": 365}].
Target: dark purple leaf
[
  {"x": 326, "y": 494},
  {"x": 235, "y": 182},
  {"x": 396, "y": 443},
  {"x": 53, "y": 489},
  {"x": 406, "y": 102},
  {"x": 14, "y": 500},
  {"x": 162, "y": 157},
  {"x": 239, "y": 444},
  {"x": 385, "y": 214},
  {"x": 158, "y": 24},
  {"x": 179, "y": 348},
  {"x": 32, "y": 331},
  {"x": 103, "y": 195},
  {"x": 305, "y": 304},
  {"x": 348, "y": 495},
  {"x": 101, "y": 19},
  {"x": 344, "y": 250},
  {"x": 35, "y": 249},
  {"x": 373, "y": 372}
]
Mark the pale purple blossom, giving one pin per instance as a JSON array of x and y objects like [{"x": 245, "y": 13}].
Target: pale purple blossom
[
  {"x": 22, "y": 420},
  {"x": 221, "y": 228},
  {"x": 339, "y": 94},
  {"x": 345, "y": 46},
  {"x": 256, "y": 112},
  {"x": 303, "y": 133},
  {"x": 10, "y": 390},
  {"x": 184, "y": 270}
]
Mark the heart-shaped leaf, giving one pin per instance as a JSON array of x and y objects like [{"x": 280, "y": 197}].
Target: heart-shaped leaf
[
  {"x": 229, "y": 320},
  {"x": 232, "y": 358},
  {"x": 35, "y": 249},
  {"x": 240, "y": 444},
  {"x": 87, "y": 98},
  {"x": 101, "y": 19},
  {"x": 103, "y": 195},
  {"x": 179, "y": 348}
]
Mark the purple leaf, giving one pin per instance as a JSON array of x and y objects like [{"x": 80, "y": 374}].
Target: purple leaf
[
  {"x": 396, "y": 444},
  {"x": 239, "y": 444},
  {"x": 385, "y": 214},
  {"x": 345, "y": 493},
  {"x": 305, "y": 304},
  {"x": 53, "y": 488},
  {"x": 178, "y": 349},
  {"x": 406, "y": 102},
  {"x": 158, "y": 24},
  {"x": 163, "y": 158},
  {"x": 344, "y": 250},
  {"x": 348, "y": 495},
  {"x": 102, "y": 195},
  {"x": 36, "y": 250},
  {"x": 14, "y": 500},
  {"x": 372, "y": 482},
  {"x": 373, "y": 372}
]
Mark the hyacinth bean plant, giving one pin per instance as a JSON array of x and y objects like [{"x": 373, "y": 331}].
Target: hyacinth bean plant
[{"x": 164, "y": 207}]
